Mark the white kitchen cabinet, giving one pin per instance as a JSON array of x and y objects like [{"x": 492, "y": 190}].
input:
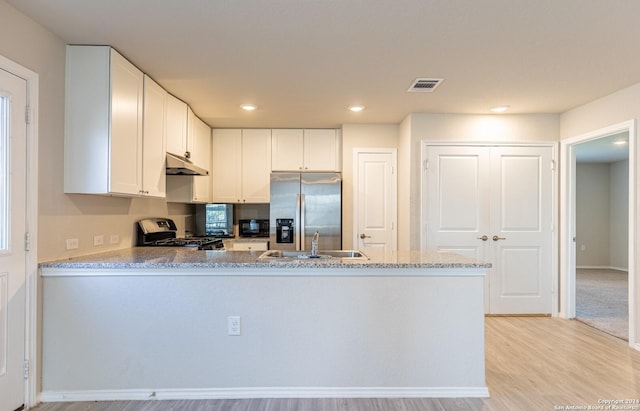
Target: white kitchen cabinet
[
  {"x": 256, "y": 165},
  {"x": 241, "y": 165},
  {"x": 202, "y": 157},
  {"x": 251, "y": 245},
  {"x": 199, "y": 141},
  {"x": 188, "y": 189},
  {"x": 181, "y": 141},
  {"x": 154, "y": 140},
  {"x": 103, "y": 123},
  {"x": 193, "y": 189},
  {"x": 305, "y": 150},
  {"x": 177, "y": 114},
  {"x": 226, "y": 170}
]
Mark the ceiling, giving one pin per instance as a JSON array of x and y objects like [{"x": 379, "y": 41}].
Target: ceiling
[
  {"x": 603, "y": 149},
  {"x": 303, "y": 62}
]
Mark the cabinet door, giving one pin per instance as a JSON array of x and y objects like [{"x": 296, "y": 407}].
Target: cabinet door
[
  {"x": 199, "y": 141},
  {"x": 226, "y": 170},
  {"x": 176, "y": 126},
  {"x": 239, "y": 245},
  {"x": 256, "y": 165},
  {"x": 201, "y": 156},
  {"x": 321, "y": 150},
  {"x": 127, "y": 94},
  {"x": 154, "y": 140},
  {"x": 287, "y": 145}
]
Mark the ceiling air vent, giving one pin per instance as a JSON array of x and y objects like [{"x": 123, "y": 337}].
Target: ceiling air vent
[{"x": 425, "y": 85}]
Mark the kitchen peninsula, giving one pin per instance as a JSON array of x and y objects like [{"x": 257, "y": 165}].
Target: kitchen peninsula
[{"x": 155, "y": 322}]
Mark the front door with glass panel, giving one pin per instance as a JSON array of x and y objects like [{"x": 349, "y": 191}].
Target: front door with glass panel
[{"x": 12, "y": 232}]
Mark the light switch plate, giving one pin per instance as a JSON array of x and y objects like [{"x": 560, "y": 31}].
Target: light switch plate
[
  {"x": 233, "y": 325},
  {"x": 72, "y": 244}
]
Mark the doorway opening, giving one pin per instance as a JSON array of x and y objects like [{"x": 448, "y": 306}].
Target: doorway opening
[
  {"x": 596, "y": 251},
  {"x": 602, "y": 233}
]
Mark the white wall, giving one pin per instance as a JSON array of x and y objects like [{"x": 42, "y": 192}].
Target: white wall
[
  {"x": 63, "y": 216},
  {"x": 609, "y": 110},
  {"x": 593, "y": 226},
  {"x": 619, "y": 215},
  {"x": 404, "y": 185},
  {"x": 459, "y": 128},
  {"x": 359, "y": 136}
]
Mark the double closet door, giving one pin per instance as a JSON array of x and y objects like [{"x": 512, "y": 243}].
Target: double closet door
[{"x": 495, "y": 203}]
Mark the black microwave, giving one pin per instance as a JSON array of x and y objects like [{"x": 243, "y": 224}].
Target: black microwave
[{"x": 253, "y": 228}]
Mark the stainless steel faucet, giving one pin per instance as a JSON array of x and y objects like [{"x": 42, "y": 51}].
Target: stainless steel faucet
[{"x": 314, "y": 244}]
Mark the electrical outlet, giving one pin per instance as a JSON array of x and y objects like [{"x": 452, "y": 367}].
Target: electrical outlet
[
  {"x": 233, "y": 325},
  {"x": 583, "y": 247},
  {"x": 98, "y": 240},
  {"x": 72, "y": 244},
  {"x": 114, "y": 239}
]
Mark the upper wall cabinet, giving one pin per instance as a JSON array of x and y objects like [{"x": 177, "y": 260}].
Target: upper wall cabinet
[
  {"x": 154, "y": 140},
  {"x": 198, "y": 141},
  {"x": 241, "y": 165},
  {"x": 194, "y": 189},
  {"x": 181, "y": 141},
  {"x": 103, "y": 123},
  {"x": 177, "y": 114},
  {"x": 305, "y": 150}
]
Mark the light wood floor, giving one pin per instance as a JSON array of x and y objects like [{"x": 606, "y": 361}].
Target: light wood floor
[{"x": 532, "y": 364}]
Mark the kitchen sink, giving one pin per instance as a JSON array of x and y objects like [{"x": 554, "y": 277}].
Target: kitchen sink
[{"x": 322, "y": 254}]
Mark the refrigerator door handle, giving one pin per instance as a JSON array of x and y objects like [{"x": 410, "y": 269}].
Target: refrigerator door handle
[
  {"x": 301, "y": 226},
  {"x": 296, "y": 231}
]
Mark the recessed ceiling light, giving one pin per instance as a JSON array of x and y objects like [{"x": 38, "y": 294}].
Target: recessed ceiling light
[
  {"x": 356, "y": 109},
  {"x": 499, "y": 109},
  {"x": 248, "y": 107}
]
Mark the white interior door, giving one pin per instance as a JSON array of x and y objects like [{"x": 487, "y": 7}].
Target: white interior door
[
  {"x": 12, "y": 231},
  {"x": 495, "y": 203},
  {"x": 521, "y": 230},
  {"x": 458, "y": 200},
  {"x": 375, "y": 206}
]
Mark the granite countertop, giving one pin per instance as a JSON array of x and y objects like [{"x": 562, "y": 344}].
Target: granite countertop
[{"x": 186, "y": 257}]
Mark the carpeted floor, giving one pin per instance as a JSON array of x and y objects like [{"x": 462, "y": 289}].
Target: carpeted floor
[{"x": 602, "y": 300}]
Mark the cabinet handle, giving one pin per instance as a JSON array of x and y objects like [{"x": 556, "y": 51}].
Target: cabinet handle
[
  {"x": 483, "y": 238},
  {"x": 496, "y": 238}
]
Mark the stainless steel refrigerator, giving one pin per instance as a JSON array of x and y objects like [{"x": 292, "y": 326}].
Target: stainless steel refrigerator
[{"x": 301, "y": 204}]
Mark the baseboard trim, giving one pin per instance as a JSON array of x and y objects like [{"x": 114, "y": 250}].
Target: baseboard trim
[
  {"x": 598, "y": 267},
  {"x": 265, "y": 392}
]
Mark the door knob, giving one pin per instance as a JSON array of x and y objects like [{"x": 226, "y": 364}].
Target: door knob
[
  {"x": 362, "y": 236},
  {"x": 496, "y": 238},
  {"x": 483, "y": 238}
]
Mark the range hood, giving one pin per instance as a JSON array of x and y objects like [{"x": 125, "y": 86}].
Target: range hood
[{"x": 178, "y": 165}]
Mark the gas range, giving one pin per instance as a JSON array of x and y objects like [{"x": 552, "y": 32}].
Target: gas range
[{"x": 161, "y": 232}]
